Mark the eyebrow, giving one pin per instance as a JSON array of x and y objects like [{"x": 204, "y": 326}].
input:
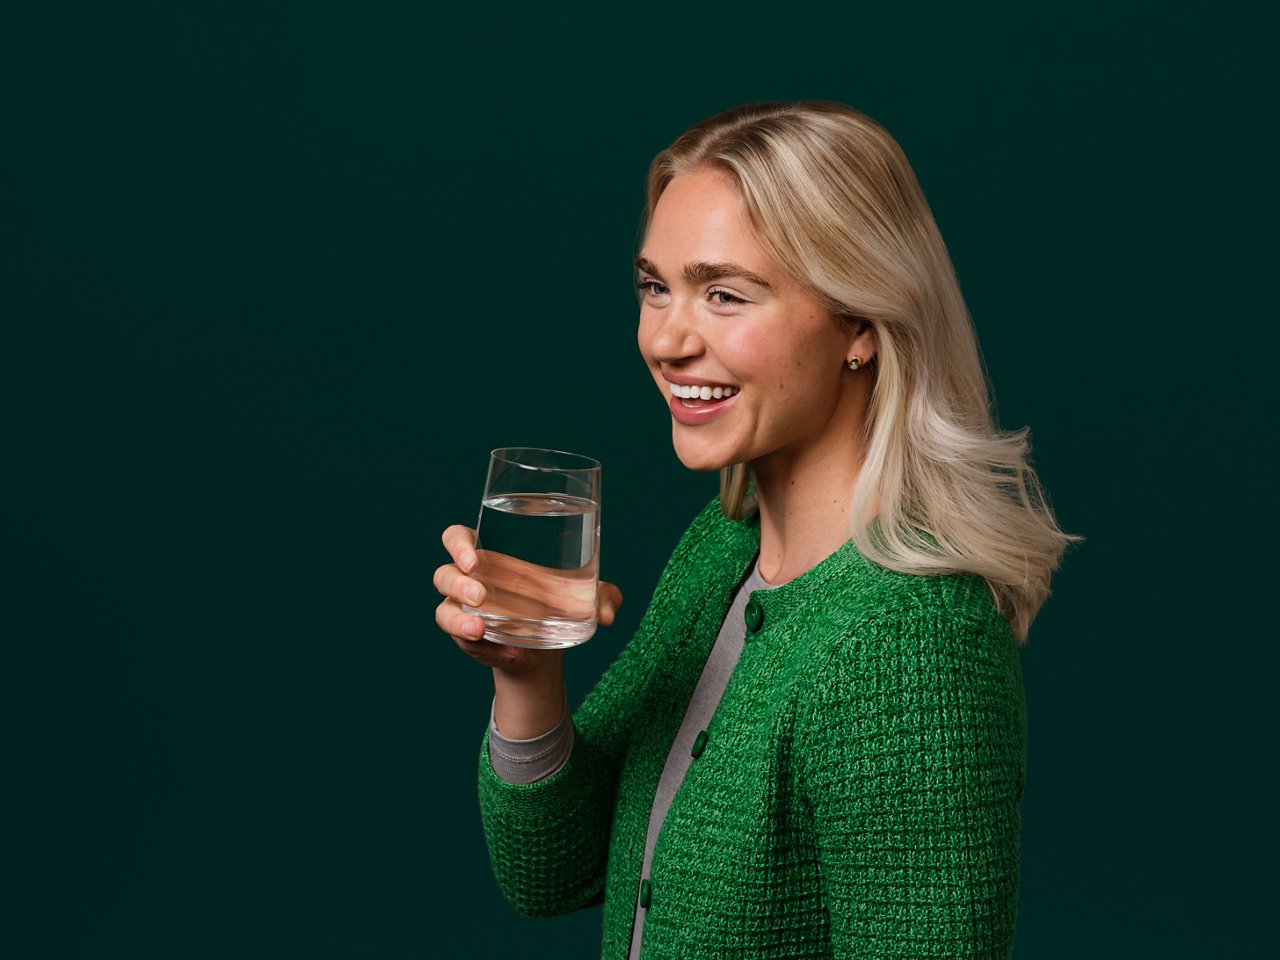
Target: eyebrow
[{"x": 703, "y": 272}]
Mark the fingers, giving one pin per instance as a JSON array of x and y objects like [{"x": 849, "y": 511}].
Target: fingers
[
  {"x": 457, "y": 586},
  {"x": 513, "y": 660},
  {"x": 466, "y": 629},
  {"x": 451, "y": 580},
  {"x": 489, "y": 653},
  {"x": 460, "y": 541},
  {"x": 609, "y": 602},
  {"x": 453, "y": 620}
]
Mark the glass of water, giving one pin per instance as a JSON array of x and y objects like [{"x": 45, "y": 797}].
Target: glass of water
[{"x": 538, "y": 544}]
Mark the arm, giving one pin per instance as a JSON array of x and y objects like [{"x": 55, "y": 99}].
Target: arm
[
  {"x": 533, "y": 758},
  {"x": 549, "y": 840},
  {"x": 912, "y": 757},
  {"x": 548, "y": 876}
]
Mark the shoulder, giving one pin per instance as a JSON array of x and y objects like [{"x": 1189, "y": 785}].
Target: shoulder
[
  {"x": 924, "y": 665},
  {"x": 712, "y": 546},
  {"x": 904, "y": 603},
  {"x": 698, "y": 579},
  {"x": 875, "y": 622},
  {"x": 704, "y": 568},
  {"x": 848, "y": 598},
  {"x": 713, "y": 527}
]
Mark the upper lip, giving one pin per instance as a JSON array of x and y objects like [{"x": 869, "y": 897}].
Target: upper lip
[{"x": 694, "y": 381}]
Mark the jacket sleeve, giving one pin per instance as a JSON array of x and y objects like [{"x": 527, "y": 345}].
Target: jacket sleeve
[
  {"x": 549, "y": 841},
  {"x": 911, "y": 758}
]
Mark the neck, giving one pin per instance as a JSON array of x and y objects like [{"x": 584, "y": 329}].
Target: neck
[
  {"x": 804, "y": 493},
  {"x": 804, "y": 515}
]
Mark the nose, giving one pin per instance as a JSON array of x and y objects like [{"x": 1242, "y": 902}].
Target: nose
[{"x": 673, "y": 332}]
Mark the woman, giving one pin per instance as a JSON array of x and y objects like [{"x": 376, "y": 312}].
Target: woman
[{"x": 815, "y": 744}]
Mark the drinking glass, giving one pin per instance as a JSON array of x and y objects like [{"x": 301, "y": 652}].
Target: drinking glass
[{"x": 538, "y": 544}]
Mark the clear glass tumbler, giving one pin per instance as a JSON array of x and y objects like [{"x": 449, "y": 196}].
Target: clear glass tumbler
[{"x": 538, "y": 543}]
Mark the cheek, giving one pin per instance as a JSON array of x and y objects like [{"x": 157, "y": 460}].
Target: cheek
[
  {"x": 643, "y": 337},
  {"x": 748, "y": 351},
  {"x": 648, "y": 323}
]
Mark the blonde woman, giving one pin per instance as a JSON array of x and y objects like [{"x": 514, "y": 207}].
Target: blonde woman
[{"x": 814, "y": 746}]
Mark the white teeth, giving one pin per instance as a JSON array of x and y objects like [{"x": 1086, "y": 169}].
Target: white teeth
[{"x": 701, "y": 393}]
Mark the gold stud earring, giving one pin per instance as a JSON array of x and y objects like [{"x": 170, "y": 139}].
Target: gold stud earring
[{"x": 855, "y": 363}]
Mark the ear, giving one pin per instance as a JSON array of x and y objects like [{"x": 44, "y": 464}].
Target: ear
[{"x": 862, "y": 339}]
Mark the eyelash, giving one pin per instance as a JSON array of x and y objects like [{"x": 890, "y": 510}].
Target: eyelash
[
  {"x": 647, "y": 287},
  {"x": 732, "y": 298}
]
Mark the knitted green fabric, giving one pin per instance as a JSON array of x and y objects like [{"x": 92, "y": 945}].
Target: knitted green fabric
[{"x": 858, "y": 795}]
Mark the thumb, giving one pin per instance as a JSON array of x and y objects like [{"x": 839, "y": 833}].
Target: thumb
[{"x": 610, "y": 601}]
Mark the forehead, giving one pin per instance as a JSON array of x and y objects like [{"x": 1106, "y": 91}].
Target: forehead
[{"x": 700, "y": 218}]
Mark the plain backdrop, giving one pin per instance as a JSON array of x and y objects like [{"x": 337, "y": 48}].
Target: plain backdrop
[{"x": 275, "y": 277}]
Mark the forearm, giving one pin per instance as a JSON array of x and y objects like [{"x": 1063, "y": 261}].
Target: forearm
[
  {"x": 547, "y": 829},
  {"x": 527, "y": 705},
  {"x": 548, "y": 841},
  {"x": 531, "y": 759}
]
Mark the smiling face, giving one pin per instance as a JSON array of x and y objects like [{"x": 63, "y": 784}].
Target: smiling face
[{"x": 752, "y": 364}]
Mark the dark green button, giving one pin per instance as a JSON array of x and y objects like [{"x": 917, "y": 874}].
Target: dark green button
[
  {"x": 645, "y": 894},
  {"x": 699, "y": 744},
  {"x": 754, "y": 615}
]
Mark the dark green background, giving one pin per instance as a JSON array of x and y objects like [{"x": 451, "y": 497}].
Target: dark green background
[{"x": 277, "y": 276}]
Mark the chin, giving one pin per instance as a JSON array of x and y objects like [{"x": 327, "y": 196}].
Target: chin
[
  {"x": 699, "y": 460},
  {"x": 702, "y": 466}
]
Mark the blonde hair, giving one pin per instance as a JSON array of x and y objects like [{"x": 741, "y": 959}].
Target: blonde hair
[{"x": 835, "y": 202}]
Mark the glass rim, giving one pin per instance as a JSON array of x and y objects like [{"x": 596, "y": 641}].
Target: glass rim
[{"x": 506, "y": 455}]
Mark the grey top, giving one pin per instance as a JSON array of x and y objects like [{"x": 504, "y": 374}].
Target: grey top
[{"x": 527, "y": 761}]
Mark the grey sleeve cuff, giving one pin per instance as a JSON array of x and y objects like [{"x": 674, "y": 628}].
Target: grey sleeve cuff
[{"x": 528, "y": 761}]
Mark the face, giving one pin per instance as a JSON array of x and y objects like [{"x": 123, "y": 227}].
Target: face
[{"x": 753, "y": 367}]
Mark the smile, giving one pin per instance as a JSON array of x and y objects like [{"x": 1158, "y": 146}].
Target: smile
[
  {"x": 694, "y": 392},
  {"x": 695, "y": 404}
]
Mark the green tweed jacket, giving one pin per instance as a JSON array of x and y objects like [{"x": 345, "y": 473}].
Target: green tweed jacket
[{"x": 858, "y": 794}]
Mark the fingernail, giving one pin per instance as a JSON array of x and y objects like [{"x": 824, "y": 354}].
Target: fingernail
[
  {"x": 468, "y": 560},
  {"x": 472, "y": 593},
  {"x": 474, "y": 630}
]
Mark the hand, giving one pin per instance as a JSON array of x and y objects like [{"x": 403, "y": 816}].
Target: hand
[{"x": 467, "y": 630}]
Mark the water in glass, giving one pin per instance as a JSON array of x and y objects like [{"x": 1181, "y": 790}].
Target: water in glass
[{"x": 538, "y": 560}]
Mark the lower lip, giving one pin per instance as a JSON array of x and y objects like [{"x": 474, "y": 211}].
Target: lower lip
[{"x": 703, "y": 411}]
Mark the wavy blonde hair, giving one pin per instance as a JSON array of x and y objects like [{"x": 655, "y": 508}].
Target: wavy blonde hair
[{"x": 833, "y": 199}]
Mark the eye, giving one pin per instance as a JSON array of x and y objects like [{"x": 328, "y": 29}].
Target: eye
[
  {"x": 651, "y": 288},
  {"x": 724, "y": 297}
]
